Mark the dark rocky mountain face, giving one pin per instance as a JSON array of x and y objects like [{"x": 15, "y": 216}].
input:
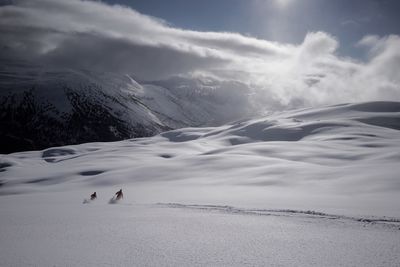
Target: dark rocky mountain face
[
  {"x": 41, "y": 107},
  {"x": 31, "y": 124}
]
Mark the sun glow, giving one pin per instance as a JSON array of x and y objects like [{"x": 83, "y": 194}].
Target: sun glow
[{"x": 283, "y": 3}]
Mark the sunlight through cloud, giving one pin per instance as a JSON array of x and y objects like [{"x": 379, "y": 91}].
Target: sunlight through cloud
[{"x": 283, "y": 3}]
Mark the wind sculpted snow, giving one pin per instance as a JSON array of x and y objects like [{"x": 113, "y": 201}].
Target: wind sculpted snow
[{"x": 338, "y": 159}]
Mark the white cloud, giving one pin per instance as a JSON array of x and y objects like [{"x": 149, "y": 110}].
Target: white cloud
[{"x": 93, "y": 35}]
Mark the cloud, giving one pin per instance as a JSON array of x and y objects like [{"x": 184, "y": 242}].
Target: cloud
[{"x": 112, "y": 38}]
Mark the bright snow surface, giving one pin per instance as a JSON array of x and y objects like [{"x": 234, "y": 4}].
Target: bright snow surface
[{"x": 308, "y": 187}]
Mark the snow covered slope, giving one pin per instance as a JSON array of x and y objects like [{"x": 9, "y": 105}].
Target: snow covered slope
[
  {"x": 342, "y": 159},
  {"x": 42, "y": 106},
  {"x": 55, "y": 229},
  {"x": 312, "y": 187}
]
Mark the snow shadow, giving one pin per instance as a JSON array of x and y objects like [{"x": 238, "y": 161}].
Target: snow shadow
[
  {"x": 113, "y": 200},
  {"x": 4, "y": 166},
  {"x": 178, "y": 136},
  {"x": 91, "y": 173},
  {"x": 166, "y": 156},
  {"x": 54, "y": 155}
]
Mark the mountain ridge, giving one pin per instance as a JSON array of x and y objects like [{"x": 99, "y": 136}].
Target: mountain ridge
[{"x": 44, "y": 107}]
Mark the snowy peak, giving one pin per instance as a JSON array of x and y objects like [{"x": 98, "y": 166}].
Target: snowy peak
[{"x": 43, "y": 107}]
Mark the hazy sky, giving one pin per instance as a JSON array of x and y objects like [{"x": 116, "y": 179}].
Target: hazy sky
[
  {"x": 280, "y": 20},
  {"x": 286, "y": 53}
]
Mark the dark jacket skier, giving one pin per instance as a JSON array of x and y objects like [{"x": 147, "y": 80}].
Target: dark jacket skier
[
  {"x": 93, "y": 196},
  {"x": 119, "y": 195}
]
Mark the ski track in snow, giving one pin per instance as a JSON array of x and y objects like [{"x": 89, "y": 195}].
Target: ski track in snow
[
  {"x": 392, "y": 223},
  {"x": 56, "y": 229}
]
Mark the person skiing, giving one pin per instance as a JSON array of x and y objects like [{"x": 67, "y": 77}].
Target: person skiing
[
  {"x": 119, "y": 195},
  {"x": 93, "y": 196}
]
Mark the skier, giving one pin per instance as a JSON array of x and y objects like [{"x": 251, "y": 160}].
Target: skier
[
  {"x": 119, "y": 195},
  {"x": 93, "y": 196}
]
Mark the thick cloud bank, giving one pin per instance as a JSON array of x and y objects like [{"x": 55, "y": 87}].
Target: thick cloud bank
[{"x": 93, "y": 35}]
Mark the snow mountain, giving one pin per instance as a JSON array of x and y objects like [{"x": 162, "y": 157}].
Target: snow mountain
[{"x": 42, "y": 107}]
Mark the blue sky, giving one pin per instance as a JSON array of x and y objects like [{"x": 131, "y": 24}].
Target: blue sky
[{"x": 280, "y": 20}]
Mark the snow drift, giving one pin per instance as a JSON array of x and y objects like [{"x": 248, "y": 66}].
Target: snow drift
[{"x": 340, "y": 159}]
